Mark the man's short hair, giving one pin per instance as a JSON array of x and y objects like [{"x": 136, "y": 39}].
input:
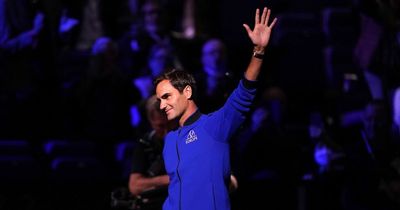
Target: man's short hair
[{"x": 179, "y": 79}]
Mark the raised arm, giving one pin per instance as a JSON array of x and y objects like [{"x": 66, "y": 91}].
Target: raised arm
[{"x": 260, "y": 36}]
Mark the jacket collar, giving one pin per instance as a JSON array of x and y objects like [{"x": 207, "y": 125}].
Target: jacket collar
[{"x": 193, "y": 118}]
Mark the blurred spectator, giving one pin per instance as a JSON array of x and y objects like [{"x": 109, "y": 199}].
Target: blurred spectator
[
  {"x": 105, "y": 95},
  {"x": 263, "y": 150},
  {"x": 90, "y": 19},
  {"x": 20, "y": 27},
  {"x": 148, "y": 180},
  {"x": 367, "y": 131},
  {"x": 377, "y": 51},
  {"x": 327, "y": 180},
  {"x": 26, "y": 70},
  {"x": 265, "y": 157},
  {"x": 370, "y": 149},
  {"x": 161, "y": 58},
  {"x": 151, "y": 29},
  {"x": 324, "y": 166},
  {"x": 214, "y": 78}
]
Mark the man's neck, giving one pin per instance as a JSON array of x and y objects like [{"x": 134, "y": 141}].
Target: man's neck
[{"x": 192, "y": 108}]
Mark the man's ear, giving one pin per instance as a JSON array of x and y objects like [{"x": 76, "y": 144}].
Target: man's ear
[{"x": 188, "y": 92}]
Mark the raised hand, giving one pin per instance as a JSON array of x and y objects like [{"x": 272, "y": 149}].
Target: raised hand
[{"x": 261, "y": 33}]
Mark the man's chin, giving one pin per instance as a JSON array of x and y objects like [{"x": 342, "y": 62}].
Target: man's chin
[{"x": 171, "y": 117}]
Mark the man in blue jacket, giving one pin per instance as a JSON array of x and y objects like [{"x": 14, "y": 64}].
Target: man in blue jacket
[{"x": 196, "y": 154}]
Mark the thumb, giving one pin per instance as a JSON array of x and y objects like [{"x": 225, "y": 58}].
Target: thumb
[{"x": 247, "y": 29}]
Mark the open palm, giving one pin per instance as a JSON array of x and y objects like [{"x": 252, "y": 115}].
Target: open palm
[{"x": 261, "y": 33}]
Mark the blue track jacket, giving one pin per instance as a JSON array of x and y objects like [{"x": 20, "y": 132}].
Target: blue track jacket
[{"x": 197, "y": 158}]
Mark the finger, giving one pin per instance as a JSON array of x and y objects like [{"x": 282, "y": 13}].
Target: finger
[
  {"x": 257, "y": 18},
  {"x": 264, "y": 15},
  {"x": 273, "y": 23},
  {"x": 267, "y": 18},
  {"x": 247, "y": 29}
]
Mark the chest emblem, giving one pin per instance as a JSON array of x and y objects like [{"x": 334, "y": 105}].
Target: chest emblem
[{"x": 191, "y": 137}]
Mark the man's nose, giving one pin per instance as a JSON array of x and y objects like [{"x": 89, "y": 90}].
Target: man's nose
[{"x": 162, "y": 105}]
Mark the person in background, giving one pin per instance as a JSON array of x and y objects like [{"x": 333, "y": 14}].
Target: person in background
[
  {"x": 214, "y": 77},
  {"x": 377, "y": 51},
  {"x": 105, "y": 96},
  {"x": 150, "y": 29},
  {"x": 147, "y": 169},
  {"x": 23, "y": 58},
  {"x": 161, "y": 57}
]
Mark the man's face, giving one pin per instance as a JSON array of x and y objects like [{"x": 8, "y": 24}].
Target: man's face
[{"x": 172, "y": 101}]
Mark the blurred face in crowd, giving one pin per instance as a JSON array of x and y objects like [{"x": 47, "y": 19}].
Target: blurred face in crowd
[
  {"x": 159, "y": 122},
  {"x": 152, "y": 16},
  {"x": 173, "y": 102},
  {"x": 213, "y": 57},
  {"x": 156, "y": 117},
  {"x": 158, "y": 61}
]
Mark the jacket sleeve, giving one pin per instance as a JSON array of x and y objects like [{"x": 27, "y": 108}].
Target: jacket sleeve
[{"x": 223, "y": 123}]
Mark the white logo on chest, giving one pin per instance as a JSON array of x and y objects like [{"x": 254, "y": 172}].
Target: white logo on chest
[{"x": 191, "y": 137}]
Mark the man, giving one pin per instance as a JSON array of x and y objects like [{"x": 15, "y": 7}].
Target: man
[
  {"x": 148, "y": 178},
  {"x": 196, "y": 154}
]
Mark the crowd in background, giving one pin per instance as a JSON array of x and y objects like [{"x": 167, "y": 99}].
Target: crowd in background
[{"x": 327, "y": 114}]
